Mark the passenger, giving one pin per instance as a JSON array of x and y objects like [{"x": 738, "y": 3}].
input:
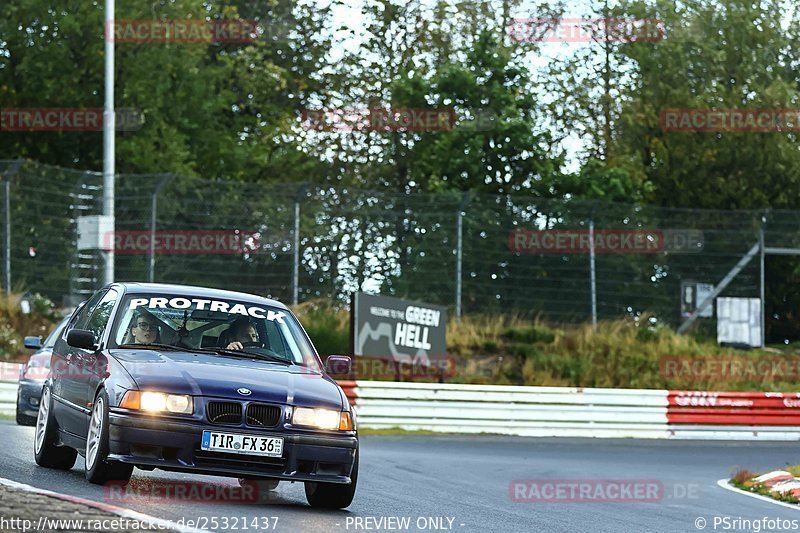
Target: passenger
[{"x": 242, "y": 331}]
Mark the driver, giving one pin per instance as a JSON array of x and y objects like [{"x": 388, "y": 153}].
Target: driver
[
  {"x": 242, "y": 331},
  {"x": 144, "y": 328}
]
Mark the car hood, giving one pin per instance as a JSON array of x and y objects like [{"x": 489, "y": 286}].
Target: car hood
[{"x": 222, "y": 376}]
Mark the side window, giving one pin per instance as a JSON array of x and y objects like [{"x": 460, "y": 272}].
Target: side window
[
  {"x": 102, "y": 312},
  {"x": 83, "y": 316}
]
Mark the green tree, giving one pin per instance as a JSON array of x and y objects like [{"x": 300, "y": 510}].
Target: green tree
[{"x": 716, "y": 54}]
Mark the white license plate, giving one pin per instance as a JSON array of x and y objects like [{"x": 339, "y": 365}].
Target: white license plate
[{"x": 242, "y": 444}]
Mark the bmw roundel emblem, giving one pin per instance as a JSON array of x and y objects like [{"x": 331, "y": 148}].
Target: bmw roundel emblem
[{"x": 244, "y": 392}]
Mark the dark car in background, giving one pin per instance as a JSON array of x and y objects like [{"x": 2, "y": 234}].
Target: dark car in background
[
  {"x": 197, "y": 380},
  {"x": 33, "y": 374}
]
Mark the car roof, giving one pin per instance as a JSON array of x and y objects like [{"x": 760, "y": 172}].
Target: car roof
[{"x": 197, "y": 292}]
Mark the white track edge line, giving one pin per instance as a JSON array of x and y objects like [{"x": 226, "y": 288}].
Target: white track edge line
[
  {"x": 119, "y": 511},
  {"x": 725, "y": 485}
]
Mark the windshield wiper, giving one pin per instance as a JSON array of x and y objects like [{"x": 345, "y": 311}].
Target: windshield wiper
[
  {"x": 158, "y": 345},
  {"x": 244, "y": 353}
]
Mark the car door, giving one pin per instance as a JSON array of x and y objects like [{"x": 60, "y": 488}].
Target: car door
[
  {"x": 93, "y": 364},
  {"x": 69, "y": 385}
]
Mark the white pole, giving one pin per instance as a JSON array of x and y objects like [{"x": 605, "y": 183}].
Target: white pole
[{"x": 109, "y": 126}]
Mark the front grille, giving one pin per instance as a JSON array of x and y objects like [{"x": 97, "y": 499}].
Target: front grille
[
  {"x": 224, "y": 412},
  {"x": 265, "y": 416},
  {"x": 249, "y": 462}
]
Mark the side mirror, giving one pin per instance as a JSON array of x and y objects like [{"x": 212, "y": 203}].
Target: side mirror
[
  {"x": 338, "y": 364},
  {"x": 33, "y": 343},
  {"x": 81, "y": 338}
]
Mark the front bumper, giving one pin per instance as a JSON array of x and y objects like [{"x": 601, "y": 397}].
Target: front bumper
[
  {"x": 28, "y": 396},
  {"x": 175, "y": 446}
]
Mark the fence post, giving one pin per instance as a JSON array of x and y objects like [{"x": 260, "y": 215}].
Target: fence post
[
  {"x": 7, "y": 247},
  {"x": 153, "y": 209},
  {"x": 459, "y": 249},
  {"x": 592, "y": 269},
  {"x": 761, "y": 246},
  {"x": 7, "y": 224},
  {"x": 296, "y": 245}
]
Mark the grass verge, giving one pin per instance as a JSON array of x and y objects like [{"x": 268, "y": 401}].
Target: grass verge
[
  {"x": 743, "y": 479},
  {"x": 628, "y": 353}
]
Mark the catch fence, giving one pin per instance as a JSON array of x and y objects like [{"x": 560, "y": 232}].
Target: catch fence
[{"x": 564, "y": 260}]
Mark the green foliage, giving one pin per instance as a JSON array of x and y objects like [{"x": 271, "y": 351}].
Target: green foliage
[
  {"x": 490, "y": 346},
  {"x": 530, "y": 334},
  {"x": 221, "y": 110},
  {"x": 715, "y": 54},
  {"x": 42, "y": 306},
  {"x": 228, "y": 112},
  {"x": 14, "y": 325},
  {"x": 328, "y": 327}
]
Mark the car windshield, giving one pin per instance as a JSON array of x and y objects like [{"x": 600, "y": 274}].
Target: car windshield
[{"x": 227, "y": 328}]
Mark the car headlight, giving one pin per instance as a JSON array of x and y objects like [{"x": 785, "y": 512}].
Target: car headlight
[
  {"x": 157, "y": 402},
  {"x": 322, "y": 418}
]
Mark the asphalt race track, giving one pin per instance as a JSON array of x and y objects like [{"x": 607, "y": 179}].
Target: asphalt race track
[{"x": 467, "y": 479}]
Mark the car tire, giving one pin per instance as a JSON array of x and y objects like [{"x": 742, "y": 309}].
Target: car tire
[
  {"x": 99, "y": 470},
  {"x": 332, "y": 495},
  {"x": 45, "y": 451}
]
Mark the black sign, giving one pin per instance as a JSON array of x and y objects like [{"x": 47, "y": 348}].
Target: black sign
[{"x": 384, "y": 326}]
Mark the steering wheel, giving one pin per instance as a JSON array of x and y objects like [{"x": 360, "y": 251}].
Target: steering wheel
[{"x": 252, "y": 344}]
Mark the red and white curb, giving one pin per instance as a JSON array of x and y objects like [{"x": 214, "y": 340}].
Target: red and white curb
[
  {"x": 727, "y": 486},
  {"x": 119, "y": 511}
]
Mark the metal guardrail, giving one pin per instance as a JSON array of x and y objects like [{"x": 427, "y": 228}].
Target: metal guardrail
[
  {"x": 511, "y": 410},
  {"x": 8, "y": 397},
  {"x": 9, "y": 371},
  {"x": 575, "y": 412},
  {"x": 734, "y": 415}
]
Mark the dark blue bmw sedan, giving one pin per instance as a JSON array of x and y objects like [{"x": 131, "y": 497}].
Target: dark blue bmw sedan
[{"x": 199, "y": 380}]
